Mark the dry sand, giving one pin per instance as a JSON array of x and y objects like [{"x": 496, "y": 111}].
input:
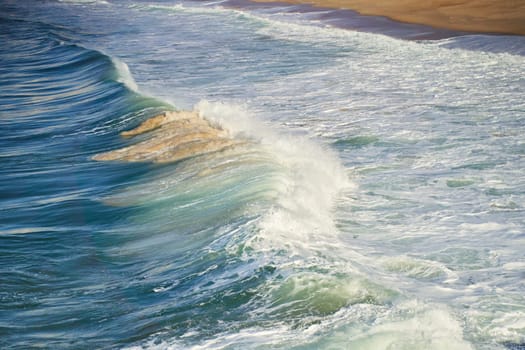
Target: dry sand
[{"x": 488, "y": 16}]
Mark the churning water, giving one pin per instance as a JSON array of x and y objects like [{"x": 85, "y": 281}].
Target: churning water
[{"x": 378, "y": 202}]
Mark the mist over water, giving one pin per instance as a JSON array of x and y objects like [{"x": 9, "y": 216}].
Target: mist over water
[{"x": 375, "y": 199}]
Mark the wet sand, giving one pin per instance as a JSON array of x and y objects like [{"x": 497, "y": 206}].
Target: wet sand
[{"x": 486, "y": 16}]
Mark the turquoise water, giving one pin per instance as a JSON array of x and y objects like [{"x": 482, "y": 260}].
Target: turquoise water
[{"x": 378, "y": 202}]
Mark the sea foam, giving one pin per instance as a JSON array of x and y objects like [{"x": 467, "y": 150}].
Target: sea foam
[{"x": 312, "y": 177}]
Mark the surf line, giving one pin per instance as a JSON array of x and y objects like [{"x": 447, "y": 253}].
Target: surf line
[{"x": 175, "y": 135}]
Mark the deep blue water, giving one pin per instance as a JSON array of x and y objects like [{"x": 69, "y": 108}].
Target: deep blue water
[{"x": 378, "y": 205}]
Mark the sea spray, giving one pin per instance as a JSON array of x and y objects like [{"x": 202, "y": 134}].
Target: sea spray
[
  {"x": 124, "y": 75},
  {"x": 312, "y": 177}
]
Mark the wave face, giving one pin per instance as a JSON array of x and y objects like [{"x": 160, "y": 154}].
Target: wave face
[{"x": 373, "y": 198}]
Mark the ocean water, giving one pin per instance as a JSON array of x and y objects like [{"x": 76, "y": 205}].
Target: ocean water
[{"x": 378, "y": 203}]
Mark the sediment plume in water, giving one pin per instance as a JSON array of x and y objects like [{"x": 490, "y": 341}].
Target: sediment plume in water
[{"x": 173, "y": 136}]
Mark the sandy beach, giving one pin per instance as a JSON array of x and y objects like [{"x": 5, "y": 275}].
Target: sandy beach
[{"x": 488, "y": 16}]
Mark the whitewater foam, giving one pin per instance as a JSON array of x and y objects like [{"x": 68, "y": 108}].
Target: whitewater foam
[
  {"x": 408, "y": 326},
  {"x": 312, "y": 178}
]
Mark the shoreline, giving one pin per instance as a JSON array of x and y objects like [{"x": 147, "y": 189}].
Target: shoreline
[{"x": 478, "y": 16}]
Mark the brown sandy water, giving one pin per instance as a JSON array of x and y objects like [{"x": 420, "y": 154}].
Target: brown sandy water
[{"x": 172, "y": 136}]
